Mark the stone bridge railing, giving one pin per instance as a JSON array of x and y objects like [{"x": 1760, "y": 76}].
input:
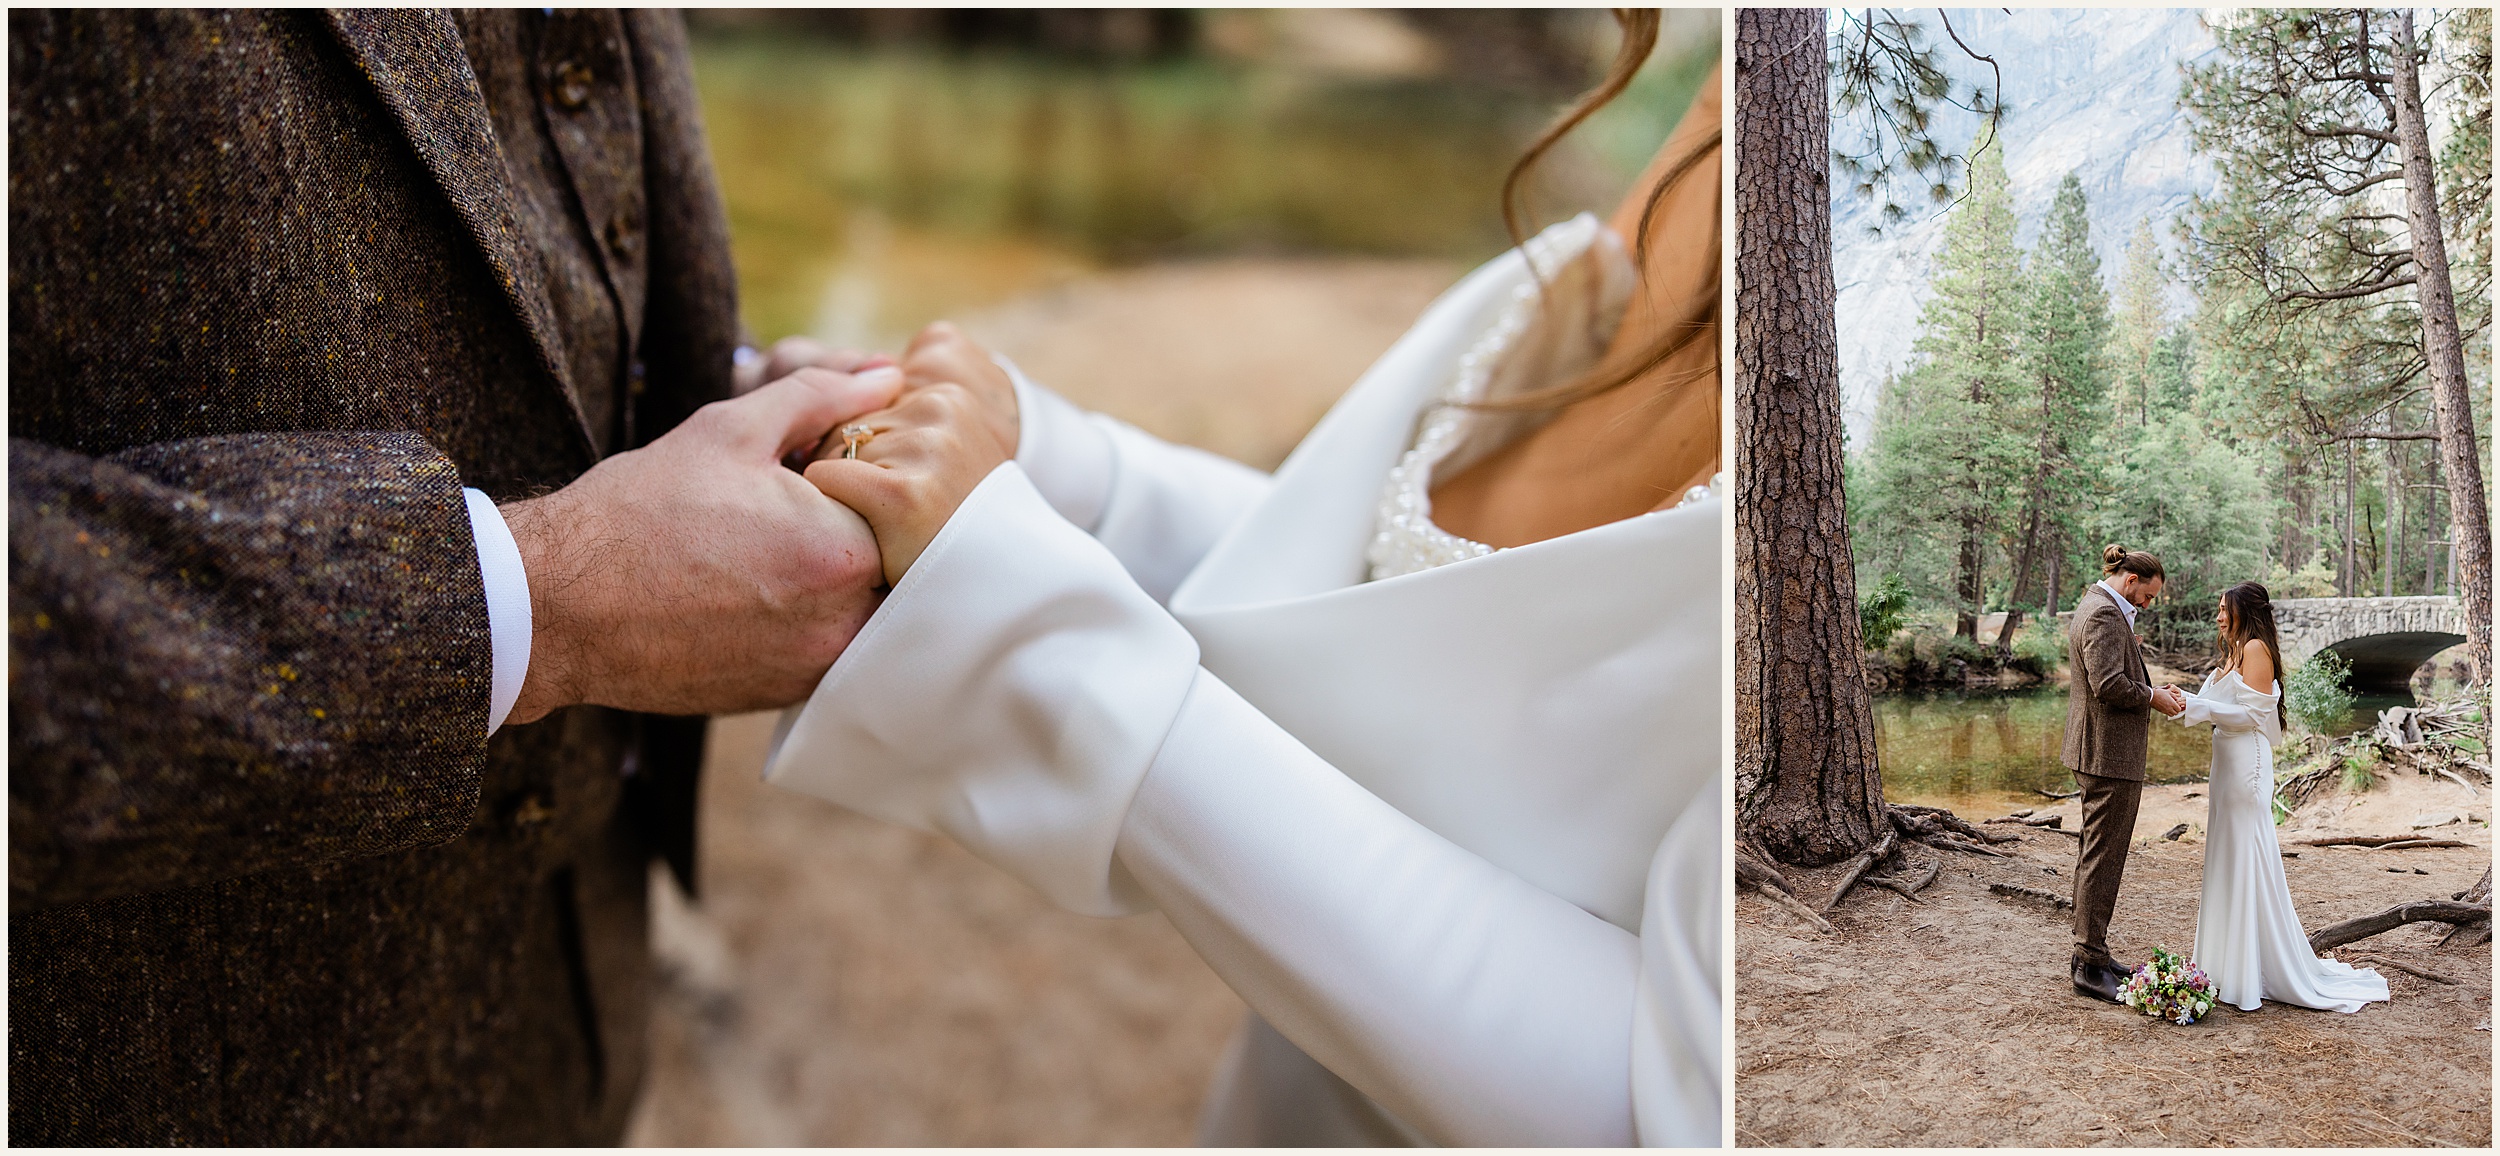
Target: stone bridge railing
[{"x": 2383, "y": 638}]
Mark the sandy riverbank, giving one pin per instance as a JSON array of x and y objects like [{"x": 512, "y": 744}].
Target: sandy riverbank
[{"x": 1952, "y": 1022}]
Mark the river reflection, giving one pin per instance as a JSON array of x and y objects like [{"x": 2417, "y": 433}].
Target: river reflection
[{"x": 1993, "y": 751}]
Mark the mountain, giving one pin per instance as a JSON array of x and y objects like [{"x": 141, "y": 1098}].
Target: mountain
[{"x": 2089, "y": 90}]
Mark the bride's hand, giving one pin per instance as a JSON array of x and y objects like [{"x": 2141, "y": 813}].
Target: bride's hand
[
  {"x": 926, "y": 453},
  {"x": 942, "y": 353}
]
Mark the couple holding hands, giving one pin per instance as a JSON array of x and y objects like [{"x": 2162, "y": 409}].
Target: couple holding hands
[
  {"x": 384, "y": 501},
  {"x": 2249, "y": 940}
]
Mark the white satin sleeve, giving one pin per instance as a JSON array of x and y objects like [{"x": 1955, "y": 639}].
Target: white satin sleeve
[
  {"x": 2231, "y": 716},
  {"x": 1017, "y": 693},
  {"x": 1158, "y": 507},
  {"x": 1009, "y": 693},
  {"x": 1473, "y": 1005}
]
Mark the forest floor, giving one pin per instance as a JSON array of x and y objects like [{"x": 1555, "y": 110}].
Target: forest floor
[
  {"x": 846, "y": 982},
  {"x": 1953, "y": 1023}
]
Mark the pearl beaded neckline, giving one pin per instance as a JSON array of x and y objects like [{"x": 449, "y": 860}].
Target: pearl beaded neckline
[{"x": 1405, "y": 540}]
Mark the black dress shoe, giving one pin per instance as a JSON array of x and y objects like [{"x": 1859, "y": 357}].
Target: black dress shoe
[{"x": 2097, "y": 981}]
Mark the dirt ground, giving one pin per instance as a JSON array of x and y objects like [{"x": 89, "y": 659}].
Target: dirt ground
[
  {"x": 844, "y": 982},
  {"x": 1953, "y": 1023}
]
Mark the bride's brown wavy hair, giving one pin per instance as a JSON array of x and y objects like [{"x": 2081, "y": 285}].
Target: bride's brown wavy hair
[
  {"x": 1694, "y": 317},
  {"x": 2251, "y": 614}
]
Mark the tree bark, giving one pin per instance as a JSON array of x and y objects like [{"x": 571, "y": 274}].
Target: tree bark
[
  {"x": 1966, "y": 583},
  {"x": 1808, "y": 790},
  {"x": 2452, "y": 398}
]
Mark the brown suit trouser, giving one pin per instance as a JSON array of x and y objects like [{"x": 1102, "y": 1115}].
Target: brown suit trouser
[{"x": 2101, "y": 859}]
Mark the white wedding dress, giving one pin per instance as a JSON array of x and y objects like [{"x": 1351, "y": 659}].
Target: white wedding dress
[
  {"x": 1449, "y": 819},
  {"x": 2248, "y": 937}
]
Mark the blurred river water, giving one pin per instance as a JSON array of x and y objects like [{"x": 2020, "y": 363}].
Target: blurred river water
[{"x": 1983, "y": 753}]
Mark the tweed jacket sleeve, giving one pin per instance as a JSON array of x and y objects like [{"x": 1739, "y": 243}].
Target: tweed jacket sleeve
[
  {"x": 2106, "y": 645},
  {"x": 234, "y": 653}
]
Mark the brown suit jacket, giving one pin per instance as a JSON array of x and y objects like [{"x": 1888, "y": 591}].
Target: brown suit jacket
[
  {"x": 2109, "y": 697},
  {"x": 280, "y": 284}
]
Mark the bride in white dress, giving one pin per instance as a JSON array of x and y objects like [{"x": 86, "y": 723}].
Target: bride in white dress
[
  {"x": 2248, "y": 938},
  {"x": 1425, "y": 765}
]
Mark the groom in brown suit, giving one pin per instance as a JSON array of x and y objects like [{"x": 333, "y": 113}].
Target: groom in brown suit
[
  {"x": 283, "y": 288},
  {"x": 2107, "y": 704}
]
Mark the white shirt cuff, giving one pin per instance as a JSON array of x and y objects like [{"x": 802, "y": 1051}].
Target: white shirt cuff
[
  {"x": 507, "y": 604},
  {"x": 1060, "y": 449}
]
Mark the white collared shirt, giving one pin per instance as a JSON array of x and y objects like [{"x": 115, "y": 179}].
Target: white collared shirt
[{"x": 2124, "y": 607}]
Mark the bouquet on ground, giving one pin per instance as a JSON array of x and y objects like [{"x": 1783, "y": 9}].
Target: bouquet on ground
[{"x": 2169, "y": 988}]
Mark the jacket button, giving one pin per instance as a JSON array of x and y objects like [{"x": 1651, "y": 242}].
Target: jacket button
[
  {"x": 624, "y": 233},
  {"x": 570, "y": 82}
]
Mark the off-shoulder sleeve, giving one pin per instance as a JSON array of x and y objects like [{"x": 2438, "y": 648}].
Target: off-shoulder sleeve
[{"x": 2234, "y": 713}]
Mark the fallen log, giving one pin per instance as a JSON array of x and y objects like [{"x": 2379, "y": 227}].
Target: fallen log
[
  {"x": 2439, "y": 910},
  {"x": 2470, "y": 934},
  {"x": 2380, "y": 841},
  {"x": 2027, "y": 819},
  {"x": 2172, "y": 835},
  {"x": 2407, "y": 968},
  {"x": 1857, "y": 867},
  {"x": 2417, "y": 844},
  {"x": 2018, "y": 891},
  {"x": 2077, "y": 792}
]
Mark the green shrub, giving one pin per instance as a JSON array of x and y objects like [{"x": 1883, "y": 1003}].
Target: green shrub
[
  {"x": 1882, "y": 611},
  {"x": 2358, "y": 775},
  {"x": 2318, "y": 699},
  {"x": 1963, "y": 647},
  {"x": 2040, "y": 645}
]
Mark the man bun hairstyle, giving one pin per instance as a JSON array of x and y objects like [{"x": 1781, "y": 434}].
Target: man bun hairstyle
[{"x": 2118, "y": 559}]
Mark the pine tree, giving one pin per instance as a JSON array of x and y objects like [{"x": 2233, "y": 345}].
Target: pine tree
[
  {"x": 2064, "y": 352},
  {"x": 2328, "y": 243},
  {"x": 2140, "y": 325},
  {"x": 1952, "y": 448}
]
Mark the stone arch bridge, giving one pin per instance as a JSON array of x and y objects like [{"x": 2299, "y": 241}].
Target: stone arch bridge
[{"x": 2383, "y": 638}]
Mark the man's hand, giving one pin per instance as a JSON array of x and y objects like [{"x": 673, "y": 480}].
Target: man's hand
[
  {"x": 792, "y": 354},
  {"x": 2168, "y": 700},
  {"x": 698, "y": 574}
]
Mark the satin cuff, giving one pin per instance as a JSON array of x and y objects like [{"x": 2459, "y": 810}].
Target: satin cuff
[{"x": 1009, "y": 693}]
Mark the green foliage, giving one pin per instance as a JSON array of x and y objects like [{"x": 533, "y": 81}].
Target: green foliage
[
  {"x": 1888, "y": 82},
  {"x": 2061, "y": 406},
  {"x": 2041, "y": 645},
  {"x": 2193, "y": 498},
  {"x": 1881, "y": 612},
  {"x": 2309, "y": 327},
  {"x": 2317, "y": 698},
  {"x": 2359, "y": 775},
  {"x": 1949, "y": 461}
]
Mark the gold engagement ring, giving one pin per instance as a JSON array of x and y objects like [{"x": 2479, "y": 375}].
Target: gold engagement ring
[{"x": 855, "y": 436}]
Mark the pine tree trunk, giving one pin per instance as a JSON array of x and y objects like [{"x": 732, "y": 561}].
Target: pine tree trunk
[
  {"x": 2452, "y": 396},
  {"x": 1807, "y": 787},
  {"x": 2344, "y": 568},
  {"x": 1966, "y": 583}
]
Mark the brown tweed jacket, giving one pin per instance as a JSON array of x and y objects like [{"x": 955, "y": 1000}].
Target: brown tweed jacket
[
  {"x": 280, "y": 283},
  {"x": 2110, "y": 696}
]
